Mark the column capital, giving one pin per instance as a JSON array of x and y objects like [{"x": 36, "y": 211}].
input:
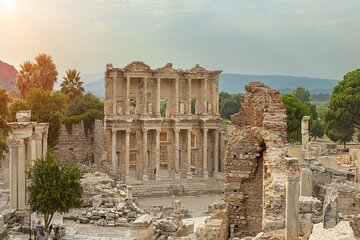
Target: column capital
[
  {"x": 16, "y": 142},
  {"x": 292, "y": 168},
  {"x": 176, "y": 130},
  {"x": 144, "y": 130},
  {"x": 127, "y": 131},
  {"x": 113, "y": 130},
  {"x": 205, "y": 130},
  {"x": 158, "y": 130}
]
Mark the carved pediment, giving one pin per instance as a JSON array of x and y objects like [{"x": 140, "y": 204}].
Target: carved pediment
[
  {"x": 168, "y": 68},
  {"x": 137, "y": 66},
  {"x": 198, "y": 68}
]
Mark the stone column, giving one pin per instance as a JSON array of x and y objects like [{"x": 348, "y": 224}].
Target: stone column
[
  {"x": 177, "y": 163},
  {"x": 177, "y": 95},
  {"x": 127, "y": 154},
  {"x": 189, "y": 96},
  {"x": 33, "y": 149},
  {"x": 114, "y": 161},
  {"x": 216, "y": 152},
  {"x": 306, "y": 185},
  {"x": 222, "y": 150},
  {"x": 13, "y": 173},
  {"x": 129, "y": 192},
  {"x": 139, "y": 165},
  {"x": 157, "y": 155},
  {"x": 205, "y": 96},
  {"x": 205, "y": 170},
  {"x": 158, "y": 96},
  {"x": 127, "y": 100},
  {"x": 292, "y": 199},
  {"x": 305, "y": 136},
  {"x": 114, "y": 99},
  {"x": 189, "y": 175},
  {"x": 145, "y": 155},
  {"x": 44, "y": 145},
  {"x": 39, "y": 147},
  {"x": 21, "y": 176},
  {"x": 145, "y": 96}
]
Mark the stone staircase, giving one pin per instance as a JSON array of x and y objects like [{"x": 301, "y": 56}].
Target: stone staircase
[{"x": 180, "y": 187}]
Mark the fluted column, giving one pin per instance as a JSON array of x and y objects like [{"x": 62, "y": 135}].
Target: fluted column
[
  {"x": 114, "y": 99},
  {"x": 216, "y": 152},
  {"x": 177, "y": 163},
  {"x": 292, "y": 199},
  {"x": 157, "y": 100},
  {"x": 157, "y": 154},
  {"x": 145, "y": 96},
  {"x": 113, "y": 152},
  {"x": 145, "y": 154},
  {"x": 127, "y": 100},
  {"x": 205, "y": 170},
  {"x": 127, "y": 154},
  {"x": 177, "y": 95},
  {"x": 189, "y": 175},
  {"x": 189, "y": 96}
]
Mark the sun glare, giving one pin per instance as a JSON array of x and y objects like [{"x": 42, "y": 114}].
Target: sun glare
[{"x": 6, "y": 4}]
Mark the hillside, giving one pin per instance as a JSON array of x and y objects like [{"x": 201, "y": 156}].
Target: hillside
[
  {"x": 234, "y": 83},
  {"x": 7, "y": 76}
]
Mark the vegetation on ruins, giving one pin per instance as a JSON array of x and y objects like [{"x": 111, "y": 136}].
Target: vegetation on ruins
[
  {"x": 72, "y": 86},
  {"x": 54, "y": 187},
  {"x": 229, "y": 104},
  {"x": 343, "y": 116},
  {"x": 41, "y": 74},
  {"x": 295, "y": 110},
  {"x": 88, "y": 118},
  {"x": 4, "y": 128}
]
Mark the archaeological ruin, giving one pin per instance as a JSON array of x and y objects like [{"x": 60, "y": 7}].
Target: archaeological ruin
[{"x": 163, "y": 122}]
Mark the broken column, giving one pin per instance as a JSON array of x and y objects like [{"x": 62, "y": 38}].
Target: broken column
[
  {"x": 3, "y": 231},
  {"x": 177, "y": 214},
  {"x": 306, "y": 185},
  {"x": 305, "y": 136},
  {"x": 292, "y": 199},
  {"x": 330, "y": 211},
  {"x": 129, "y": 192}
]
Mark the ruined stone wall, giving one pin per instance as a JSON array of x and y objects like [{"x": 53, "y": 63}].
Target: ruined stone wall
[
  {"x": 254, "y": 163},
  {"x": 77, "y": 146}
]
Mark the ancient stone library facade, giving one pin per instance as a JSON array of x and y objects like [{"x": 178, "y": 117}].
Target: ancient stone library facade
[{"x": 163, "y": 122}]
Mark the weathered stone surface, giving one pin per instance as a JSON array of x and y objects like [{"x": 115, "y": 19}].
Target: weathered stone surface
[
  {"x": 341, "y": 231},
  {"x": 331, "y": 212},
  {"x": 254, "y": 163}
]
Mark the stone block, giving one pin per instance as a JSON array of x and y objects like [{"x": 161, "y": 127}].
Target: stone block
[
  {"x": 306, "y": 224},
  {"x": 142, "y": 228}
]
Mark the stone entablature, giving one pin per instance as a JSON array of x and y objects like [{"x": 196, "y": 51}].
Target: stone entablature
[
  {"x": 185, "y": 140},
  {"x": 26, "y": 142}
]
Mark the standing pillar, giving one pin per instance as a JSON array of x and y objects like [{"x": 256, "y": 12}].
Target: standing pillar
[
  {"x": 177, "y": 95},
  {"x": 305, "y": 136},
  {"x": 306, "y": 185},
  {"x": 21, "y": 176},
  {"x": 127, "y": 154},
  {"x": 39, "y": 147},
  {"x": 222, "y": 150},
  {"x": 44, "y": 145},
  {"x": 157, "y": 155},
  {"x": 177, "y": 163},
  {"x": 189, "y": 96},
  {"x": 13, "y": 173},
  {"x": 292, "y": 199},
  {"x": 157, "y": 100},
  {"x": 145, "y": 155},
  {"x": 189, "y": 175},
  {"x": 114, "y": 99},
  {"x": 33, "y": 149},
  {"x": 204, "y": 96},
  {"x": 113, "y": 153},
  {"x": 216, "y": 152},
  {"x": 205, "y": 170},
  {"x": 127, "y": 100},
  {"x": 139, "y": 165},
  {"x": 145, "y": 96}
]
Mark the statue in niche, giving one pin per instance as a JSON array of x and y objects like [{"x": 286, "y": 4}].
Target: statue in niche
[{"x": 182, "y": 107}]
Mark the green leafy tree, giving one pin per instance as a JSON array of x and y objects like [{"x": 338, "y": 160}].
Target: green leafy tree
[
  {"x": 72, "y": 86},
  {"x": 47, "y": 107},
  {"x": 4, "y": 128},
  {"x": 229, "y": 104},
  {"x": 54, "y": 187},
  {"x": 317, "y": 129},
  {"x": 302, "y": 94},
  {"x": 41, "y": 74},
  {"x": 339, "y": 127},
  {"x": 84, "y": 103},
  {"x": 17, "y": 106},
  {"x": 295, "y": 110}
]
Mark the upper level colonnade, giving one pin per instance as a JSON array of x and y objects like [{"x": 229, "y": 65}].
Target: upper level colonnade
[{"x": 138, "y": 90}]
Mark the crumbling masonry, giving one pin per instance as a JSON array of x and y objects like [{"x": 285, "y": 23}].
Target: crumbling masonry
[{"x": 255, "y": 164}]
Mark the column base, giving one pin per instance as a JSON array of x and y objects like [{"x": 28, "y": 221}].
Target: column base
[
  {"x": 145, "y": 178},
  {"x": 177, "y": 176},
  {"x": 206, "y": 175},
  {"x": 189, "y": 175},
  {"x": 157, "y": 177}
]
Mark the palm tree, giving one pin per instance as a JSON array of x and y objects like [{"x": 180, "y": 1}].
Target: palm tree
[
  {"x": 72, "y": 86},
  {"x": 45, "y": 71},
  {"x": 25, "y": 78}
]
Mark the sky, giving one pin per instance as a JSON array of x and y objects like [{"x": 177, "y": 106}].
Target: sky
[{"x": 314, "y": 38}]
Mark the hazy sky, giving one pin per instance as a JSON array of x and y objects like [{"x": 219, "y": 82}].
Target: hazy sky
[{"x": 316, "y": 38}]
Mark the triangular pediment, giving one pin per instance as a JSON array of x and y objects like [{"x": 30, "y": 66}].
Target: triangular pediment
[
  {"x": 168, "y": 68},
  {"x": 137, "y": 66},
  {"x": 198, "y": 68}
]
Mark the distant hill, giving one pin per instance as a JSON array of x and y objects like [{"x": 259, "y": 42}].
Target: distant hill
[
  {"x": 7, "y": 76},
  {"x": 235, "y": 83}
]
